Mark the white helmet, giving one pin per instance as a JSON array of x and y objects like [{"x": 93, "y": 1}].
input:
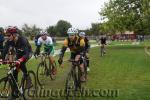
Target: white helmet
[
  {"x": 82, "y": 34},
  {"x": 72, "y": 31},
  {"x": 43, "y": 33}
]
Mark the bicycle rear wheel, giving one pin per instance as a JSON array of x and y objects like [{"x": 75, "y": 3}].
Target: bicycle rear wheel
[
  {"x": 5, "y": 88},
  {"x": 30, "y": 84}
]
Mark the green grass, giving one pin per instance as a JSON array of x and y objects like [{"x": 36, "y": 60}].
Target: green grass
[{"x": 123, "y": 68}]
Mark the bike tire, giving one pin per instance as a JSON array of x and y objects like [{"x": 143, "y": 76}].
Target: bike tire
[
  {"x": 41, "y": 72},
  {"x": 70, "y": 87}
]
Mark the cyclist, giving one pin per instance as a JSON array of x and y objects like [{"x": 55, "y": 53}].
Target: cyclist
[
  {"x": 48, "y": 48},
  {"x": 87, "y": 47},
  {"x": 36, "y": 39},
  {"x": 1, "y": 40},
  {"x": 103, "y": 42},
  {"x": 76, "y": 46},
  {"x": 23, "y": 52}
]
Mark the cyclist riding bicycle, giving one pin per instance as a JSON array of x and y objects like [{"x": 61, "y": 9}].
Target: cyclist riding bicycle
[
  {"x": 23, "y": 51},
  {"x": 76, "y": 46},
  {"x": 87, "y": 47},
  {"x": 48, "y": 48},
  {"x": 103, "y": 42}
]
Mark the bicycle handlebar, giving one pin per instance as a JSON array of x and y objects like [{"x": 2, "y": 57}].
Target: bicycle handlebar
[
  {"x": 8, "y": 62},
  {"x": 41, "y": 54}
]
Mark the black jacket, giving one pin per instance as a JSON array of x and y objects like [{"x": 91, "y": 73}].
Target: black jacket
[{"x": 21, "y": 46}]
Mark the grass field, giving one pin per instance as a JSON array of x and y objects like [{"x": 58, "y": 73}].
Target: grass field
[{"x": 124, "y": 68}]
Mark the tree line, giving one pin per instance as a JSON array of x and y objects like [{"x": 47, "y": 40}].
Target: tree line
[
  {"x": 58, "y": 30},
  {"x": 125, "y": 15},
  {"x": 117, "y": 16}
]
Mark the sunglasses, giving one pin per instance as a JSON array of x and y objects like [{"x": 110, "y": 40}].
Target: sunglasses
[
  {"x": 8, "y": 35},
  {"x": 71, "y": 35}
]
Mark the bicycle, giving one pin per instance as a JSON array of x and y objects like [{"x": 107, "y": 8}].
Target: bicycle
[
  {"x": 43, "y": 71},
  {"x": 73, "y": 82},
  {"x": 14, "y": 89}
]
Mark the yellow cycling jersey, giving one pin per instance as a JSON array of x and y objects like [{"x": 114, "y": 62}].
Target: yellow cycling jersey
[{"x": 75, "y": 45}]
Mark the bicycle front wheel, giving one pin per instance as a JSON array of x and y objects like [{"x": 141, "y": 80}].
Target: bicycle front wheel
[
  {"x": 5, "y": 88},
  {"x": 42, "y": 73}
]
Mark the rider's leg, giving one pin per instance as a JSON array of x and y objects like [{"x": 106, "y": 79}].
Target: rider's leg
[
  {"x": 104, "y": 48},
  {"x": 24, "y": 69},
  {"x": 52, "y": 61},
  {"x": 77, "y": 58},
  {"x": 25, "y": 75}
]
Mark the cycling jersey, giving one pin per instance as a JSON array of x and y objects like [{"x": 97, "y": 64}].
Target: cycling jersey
[
  {"x": 87, "y": 45},
  {"x": 48, "y": 45},
  {"x": 103, "y": 40},
  {"x": 22, "y": 47},
  {"x": 76, "y": 46}
]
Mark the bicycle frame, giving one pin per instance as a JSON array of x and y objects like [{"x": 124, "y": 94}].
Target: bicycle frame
[{"x": 10, "y": 78}]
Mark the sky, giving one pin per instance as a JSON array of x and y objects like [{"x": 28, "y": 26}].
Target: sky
[{"x": 43, "y": 13}]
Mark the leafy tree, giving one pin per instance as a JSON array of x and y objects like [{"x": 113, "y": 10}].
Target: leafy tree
[
  {"x": 52, "y": 30},
  {"x": 122, "y": 15},
  {"x": 62, "y": 27},
  {"x": 30, "y": 31},
  {"x": 95, "y": 28}
]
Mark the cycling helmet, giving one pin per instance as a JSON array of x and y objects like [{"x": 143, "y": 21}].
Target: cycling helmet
[
  {"x": 82, "y": 34},
  {"x": 43, "y": 33},
  {"x": 72, "y": 31},
  {"x": 12, "y": 30}
]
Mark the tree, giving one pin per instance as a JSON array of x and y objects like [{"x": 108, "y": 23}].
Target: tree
[
  {"x": 95, "y": 30},
  {"x": 30, "y": 31},
  {"x": 62, "y": 27},
  {"x": 52, "y": 30},
  {"x": 122, "y": 15},
  {"x": 26, "y": 30}
]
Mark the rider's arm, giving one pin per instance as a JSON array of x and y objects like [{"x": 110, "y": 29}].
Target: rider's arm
[
  {"x": 39, "y": 43},
  {"x": 26, "y": 49},
  {"x": 88, "y": 45},
  {"x": 82, "y": 46},
  {"x": 65, "y": 45}
]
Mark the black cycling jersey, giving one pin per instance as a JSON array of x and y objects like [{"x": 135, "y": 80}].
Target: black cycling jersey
[
  {"x": 103, "y": 40},
  {"x": 22, "y": 47}
]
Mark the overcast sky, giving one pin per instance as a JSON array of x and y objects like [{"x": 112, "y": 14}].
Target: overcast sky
[{"x": 80, "y": 13}]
